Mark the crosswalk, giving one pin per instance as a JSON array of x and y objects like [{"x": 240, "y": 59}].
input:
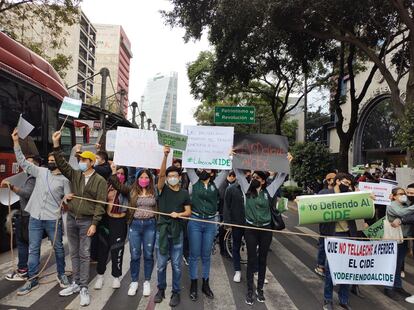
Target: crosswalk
[{"x": 292, "y": 285}]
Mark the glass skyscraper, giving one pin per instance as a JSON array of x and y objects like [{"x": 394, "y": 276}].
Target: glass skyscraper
[{"x": 160, "y": 101}]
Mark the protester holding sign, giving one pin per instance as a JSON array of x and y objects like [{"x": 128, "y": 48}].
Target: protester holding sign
[
  {"x": 169, "y": 239},
  {"x": 398, "y": 209},
  {"x": 44, "y": 207},
  {"x": 142, "y": 224},
  {"x": 83, "y": 216},
  {"x": 258, "y": 199},
  {"x": 205, "y": 200}
]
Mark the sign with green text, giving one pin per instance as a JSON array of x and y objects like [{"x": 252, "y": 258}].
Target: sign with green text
[
  {"x": 315, "y": 209},
  {"x": 235, "y": 115},
  {"x": 172, "y": 139},
  {"x": 376, "y": 230},
  {"x": 177, "y": 154}
]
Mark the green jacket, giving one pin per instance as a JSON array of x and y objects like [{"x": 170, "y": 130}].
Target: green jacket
[
  {"x": 257, "y": 209},
  {"x": 204, "y": 200},
  {"x": 95, "y": 189}
]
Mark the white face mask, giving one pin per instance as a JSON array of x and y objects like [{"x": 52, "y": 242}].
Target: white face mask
[
  {"x": 403, "y": 199},
  {"x": 173, "y": 181}
]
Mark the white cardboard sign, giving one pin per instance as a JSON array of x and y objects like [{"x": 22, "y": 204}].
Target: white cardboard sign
[
  {"x": 110, "y": 140},
  {"x": 71, "y": 107},
  {"x": 24, "y": 128},
  {"x": 138, "y": 148},
  {"x": 17, "y": 180},
  {"x": 382, "y": 191}
]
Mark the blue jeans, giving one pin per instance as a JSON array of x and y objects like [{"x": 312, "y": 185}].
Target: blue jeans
[
  {"x": 142, "y": 238},
  {"x": 176, "y": 255},
  {"x": 237, "y": 235},
  {"x": 36, "y": 229},
  {"x": 321, "y": 252},
  {"x": 22, "y": 245},
  {"x": 201, "y": 238},
  {"x": 343, "y": 292},
  {"x": 401, "y": 252}
]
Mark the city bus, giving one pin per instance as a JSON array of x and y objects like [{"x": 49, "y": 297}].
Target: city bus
[{"x": 29, "y": 86}]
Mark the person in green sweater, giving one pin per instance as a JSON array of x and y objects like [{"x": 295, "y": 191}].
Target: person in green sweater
[{"x": 83, "y": 216}]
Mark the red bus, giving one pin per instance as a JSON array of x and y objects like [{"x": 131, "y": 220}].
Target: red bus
[{"x": 30, "y": 86}]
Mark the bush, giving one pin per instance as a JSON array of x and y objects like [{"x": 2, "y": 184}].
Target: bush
[{"x": 291, "y": 192}]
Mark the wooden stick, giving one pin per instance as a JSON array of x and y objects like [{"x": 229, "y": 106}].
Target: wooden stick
[{"x": 64, "y": 122}]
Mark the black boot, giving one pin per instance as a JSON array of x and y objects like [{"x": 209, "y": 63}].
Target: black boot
[
  {"x": 193, "y": 290},
  {"x": 206, "y": 289},
  {"x": 159, "y": 296}
]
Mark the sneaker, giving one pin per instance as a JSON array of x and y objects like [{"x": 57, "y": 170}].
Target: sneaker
[
  {"x": 116, "y": 283},
  {"x": 327, "y": 305},
  {"x": 28, "y": 287},
  {"x": 259, "y": 296},
  {"x": 175, "y": 300},
  {"x": 19, "y": 275},
  {"x": 185, "y": 260},
  {"x": 320, "y": 271},
  {"x": 133, "y": 287},
  {"x": 63, "y": 281},
  {"x": 402, "y": 292},
  {"x": 410, "y": 299},
  {"x": 249, "y": 298},
  {"x": 85, "y": 299},
  {"x": 237, "y": 277},
  {"x": 147, "y": 289},
  {"x": 99, "y": 282},
  {"x": 256, "y": 277},
  {"x": 159, "y": 296},
  {"x": 70, "y": 290},
  {"x": 402, "y": 274}
]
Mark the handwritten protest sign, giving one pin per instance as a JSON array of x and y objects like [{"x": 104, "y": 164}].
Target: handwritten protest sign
[
  {"x": 110, "y": 140},
  {"x": 361, "y": 262},
  {"x": 17, "y": 180},
  {"x": 208, "y": 147},
  {"x": 261, "y": 152},
  {"x": 174, "y": 140},
  {"x": 376, "y": 230},
  {"x": 314, "y": 209},
  {"x": 138, "y": 148},
  {"x": 71, "y": 107},
  {"x": 24, "y": 127},
  {"x": 382, "y": 191}
]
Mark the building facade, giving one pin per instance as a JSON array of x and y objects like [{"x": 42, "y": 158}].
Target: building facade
[
  {"x": 114, "y": 52},
  {"x": 160, "y": 101}
]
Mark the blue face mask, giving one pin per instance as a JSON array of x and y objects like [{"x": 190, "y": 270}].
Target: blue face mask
[{"x": 83, "y": 166}]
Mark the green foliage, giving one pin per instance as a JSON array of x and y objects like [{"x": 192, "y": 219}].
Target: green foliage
[
  {"x": 405, "y": 136},
  {"x": 291, "y": 192},
  {"x": 311, "y": 162},
  {"x": 60, "y": 63}
]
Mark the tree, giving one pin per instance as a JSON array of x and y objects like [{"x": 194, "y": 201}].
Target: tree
[{"x": 39, "y": 25}]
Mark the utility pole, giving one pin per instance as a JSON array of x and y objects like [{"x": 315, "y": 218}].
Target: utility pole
[
  {"x": 104, "y": 74},
  {"x": 142, "y": 114},
  {"x": 149, "y": 121},
  {"x": 134, "y": 112}
]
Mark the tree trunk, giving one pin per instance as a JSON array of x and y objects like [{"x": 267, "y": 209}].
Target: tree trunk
[{"x": 343, "y": 155}]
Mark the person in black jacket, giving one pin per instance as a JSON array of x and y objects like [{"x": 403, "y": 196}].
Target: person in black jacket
[{"x": 102, "y": 166}]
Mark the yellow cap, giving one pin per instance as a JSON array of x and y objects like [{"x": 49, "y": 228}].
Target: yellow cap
[{"x": 88, "y": 155}]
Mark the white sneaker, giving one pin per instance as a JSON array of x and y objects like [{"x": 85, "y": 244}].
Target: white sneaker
[
  {"x": 256, "y": 277},
  {"x": 99, "y": 282},
  {"x": 147, "y": 288},
  {"x": 410, "y": 299},
  {"x": 85, "y": 299},
  {"x": 237, "y": 277},
  {"x": 70, "y": 290},
  {"x": 116, "y": 283},
  {"x": 133, "y": 288}
]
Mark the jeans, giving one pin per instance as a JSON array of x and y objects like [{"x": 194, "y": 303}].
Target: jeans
[
  {"x": 258, "y": 244},
  {"x": 401, "y": 252},
  {"x": 201, "y": 238},
  {"x": 321, "y": 252},
  {"x": 80, "y": 248},
  {"x": 237, "y": 235},
  {"x": 176, "y": 255},
  {"x": 36, "y": 229},
  {"x": 343, "y": 292},
  {"x": 142, "y": 238},
  {"x": 111, "y": 234},
  {"x": 21, "y": 224}
]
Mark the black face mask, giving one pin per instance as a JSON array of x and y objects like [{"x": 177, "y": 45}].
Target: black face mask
[
  {"x": 411, "y": 199},
  {"x": 204, "y": 175},
  {"x": 255, "y": 183},
  {"x": 248, "y": 178},
  {"x": 343, "y": 188},
  {"x": 51, "y": 166}
]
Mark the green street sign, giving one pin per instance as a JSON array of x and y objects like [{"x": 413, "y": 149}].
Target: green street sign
[{"x": 235, "y": 115}]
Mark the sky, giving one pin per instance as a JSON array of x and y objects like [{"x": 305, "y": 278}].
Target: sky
[{"x": 155, "y": 46}]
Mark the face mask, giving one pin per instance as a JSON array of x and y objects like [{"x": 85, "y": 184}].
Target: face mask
[
  {"x": 173, "y": 181},
  {"x": 83, "y": 166},
  {"x": 51, "y": 166},
  {"x": 143, "y": 182},
  {"x": 121, "y": 178},
  {"x": 248, "y": 178},
  {"x": 255, "y": 183},
  {"x": 410, "y": 199},
  {"x": 403, "y": 199},
  {"x": 343, "y": 188},
  {"x": 204, "y": 175}
]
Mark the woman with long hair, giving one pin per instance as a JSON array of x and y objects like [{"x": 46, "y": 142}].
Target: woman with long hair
[{"x": 142, "y": 226}]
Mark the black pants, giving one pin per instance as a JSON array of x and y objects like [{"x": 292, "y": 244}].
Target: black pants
[
  {"x": 112, "y": 233},
  {"x": 258, "y": 244}
]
